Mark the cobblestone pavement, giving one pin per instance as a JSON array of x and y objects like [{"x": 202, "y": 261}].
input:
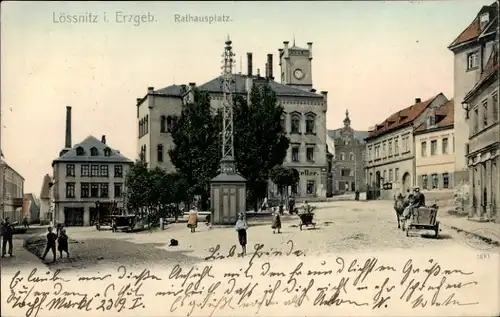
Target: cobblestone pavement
[{"x": 342, "y": 226}]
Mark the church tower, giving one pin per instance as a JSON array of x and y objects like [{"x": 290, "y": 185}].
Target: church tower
[{"x": 295, "y": 64}]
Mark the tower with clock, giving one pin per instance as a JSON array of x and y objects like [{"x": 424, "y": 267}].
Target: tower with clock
[{"x": 295, "y": 64}]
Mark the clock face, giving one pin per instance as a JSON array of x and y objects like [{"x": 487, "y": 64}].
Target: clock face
[{"x": 298, "y": 73}]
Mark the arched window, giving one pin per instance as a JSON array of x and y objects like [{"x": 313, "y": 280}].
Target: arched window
[
  {"x": 79, "y": 151},
  {"x": 342, "y": 156},
  {"x": 351, "y": 156},
  {"x": 94, "y": 152},
  {"x": 169, "y": 124},
  {"x": 295, "y": 123},
  {"x": 310, "y": 123},
  {"x": 163, "y": 124},
  {"x": 159, "y": 151}
]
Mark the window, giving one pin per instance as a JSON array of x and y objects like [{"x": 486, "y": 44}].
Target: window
[
  {"x": 94, "y": 170},
  {"x": 118, "y": 171},
  {"x": 424, "y": 182},
  {"x": 310, "y": 153},
  {"x": 94, "y": 190},
  {"x": 390, "y": 175},
  {"x": 384, "y": 154},
  {"x": 163, "y": 124},
  {"x": 94, "y": 152},
  {"x": 434, "y": 181},
  {"x": 70, "y": 170},
  {"x": 85, "y": 190},
  {"x": 389, "y": 145},
  {"x": 396, "y": 147},
  {"x": 495, "y": 107},
  {"x": 423, "y": 149},
  {"x": 485, "y": 113},
  {"x": 310, "y": 124},
  {"x": 370, "y": 154},
  {"x": 107, "y": 152},
  {"x": 472, "y": 61},
  {"x": 385, "y": 176},
  {"x": 159, "y": 153},
  {"x": 396, "y": 174},
  {"x": 446, "y": 180},
  {"x": 295, "y": 153},
  {"x": 70, "y": 190},
  {"x": 79, "y": 151},
  {"x": 342, "y": 156},
  {"x": 295, "y": 124},
  {"x": 433, "y": 147},
  {"x": 310, "y": 190},
  {"x": 444, "y": 145},
  {"x": 118, "y": 189},
  {"x": 475, "y": 128},
  {"x": 351, "y": 157},
  {"x": 169, "y": 124},
  {"x": 104, "y": 190},
  {"x": 104, "y": 171},
  {"x": 345, "y": 172},
  {"x": 84, "y": 170}
]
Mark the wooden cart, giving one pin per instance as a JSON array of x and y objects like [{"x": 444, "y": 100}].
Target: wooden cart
[
  {"x": 306, "y": 220},
  {"x": 423, "y": 218}
]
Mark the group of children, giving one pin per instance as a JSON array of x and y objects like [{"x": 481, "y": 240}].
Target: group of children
[{"x": 62, "y": 242}]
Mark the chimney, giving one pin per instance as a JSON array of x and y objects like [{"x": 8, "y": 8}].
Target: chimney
[
  {"x": 249, "y": 64},
  {"x": 325, "y": 94},
  {"x": 150, "y": 90},
  {"x": 313, "y": 90},
  {"x": 267, "y": 71},
  {"x": 138, "y": 100},
  {"x": 285, "y": 43},
  {"x": 192, "y": 84},
  {"x": 310, "y": 49},
  {"x": 103, "y": 139},
  {"x": 270, "y": 66},
  {"x": 67, "y": 143},
  {"x": 418, "y": 100}
]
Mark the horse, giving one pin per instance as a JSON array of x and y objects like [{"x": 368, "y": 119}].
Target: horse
[{"x": 399, "y": 206}]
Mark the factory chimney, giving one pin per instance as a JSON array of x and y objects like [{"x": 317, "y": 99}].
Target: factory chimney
[{"x": 67, "y": 143}]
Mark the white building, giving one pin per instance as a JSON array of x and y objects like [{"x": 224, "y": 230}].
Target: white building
[
  {"x": 305, "y": 117},
  {"x": 84, "y": 174},
  {"x": 11, "y": 192}
]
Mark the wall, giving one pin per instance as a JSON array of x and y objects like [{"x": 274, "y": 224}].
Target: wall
[
  {"x": 143, "y": 111},
  {"x": 435, "y": 164}
]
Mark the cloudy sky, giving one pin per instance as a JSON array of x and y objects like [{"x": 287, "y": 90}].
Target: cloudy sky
[{"x": 373, "y": 57}]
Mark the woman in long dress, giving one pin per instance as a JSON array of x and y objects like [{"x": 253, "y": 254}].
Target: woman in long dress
[
  {"x": 276, "y": 221},
  {"x": 241, "y": 228},
  {"x": 193, "y": 219}
]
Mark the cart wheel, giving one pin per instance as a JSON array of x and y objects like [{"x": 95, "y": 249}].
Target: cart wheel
[{"x": 436, "y": 230}]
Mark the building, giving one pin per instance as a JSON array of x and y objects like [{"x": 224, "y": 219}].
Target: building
[
  {"x": 348, "y": 160},
  {"x": 435, "y": 153},
  {"x": 88, "y": 180},
  {"x": 482, "y": 111},
  {"x": 305, "y": 117},
  {"x": 31, "y": 209},
  {"x": 390, "y": 146},
  {"x": 471, "y": 50},
  {"x": 11, "y": 192},
  {"x": 46, "y": 200}
]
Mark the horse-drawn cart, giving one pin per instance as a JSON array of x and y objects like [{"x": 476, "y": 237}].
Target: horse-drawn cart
[{"x": 423, "y": 218}]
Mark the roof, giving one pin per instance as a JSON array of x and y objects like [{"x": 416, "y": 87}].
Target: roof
[
  {"x": 444, "y": 117},
  {"x": 45, "y": 192},
  {"x": 173, "y": 90},
  {"x": 4, "y": 163},
  {"x": 489, "y": 71},
  {"x": 215, "y": 86},
  {"x": 473, "y": 31},
  {"x": 359, "y": 135},
  {"x": 401, "y": 118},
  {"x": 87, "y": 144}
]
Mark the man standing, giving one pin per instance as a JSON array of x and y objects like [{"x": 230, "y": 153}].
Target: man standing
[{"x": 7, "y": 237}]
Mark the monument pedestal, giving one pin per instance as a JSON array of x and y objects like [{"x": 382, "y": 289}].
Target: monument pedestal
[{"x": 227, "y": 197}]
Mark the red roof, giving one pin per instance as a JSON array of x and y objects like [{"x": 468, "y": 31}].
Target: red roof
[
  {"x": 474, "y": 29},
  {"x": 401, "y": 118},
  {"x": 444, "y": 116}
]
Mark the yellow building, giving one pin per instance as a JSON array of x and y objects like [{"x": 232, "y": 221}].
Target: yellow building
[{"x": 435, "y": 149}]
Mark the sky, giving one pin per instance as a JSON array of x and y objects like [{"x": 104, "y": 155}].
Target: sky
[{"x": 373, "y": 58}]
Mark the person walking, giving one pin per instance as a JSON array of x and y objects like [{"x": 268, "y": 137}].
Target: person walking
[
  {"x": 193, "y": 219},
  {"x": 241, "y": 228},
  {"x": 7, "y": 233},
  {"x": 62, "y": 243},
  {"x": 51, "y": 244},
  {"x": 276, "y": 225}
]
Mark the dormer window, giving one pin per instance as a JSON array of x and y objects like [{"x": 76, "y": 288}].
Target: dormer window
[
  {"x": 79, "y": 151},
  {"x": 484, "y": 19},
  {"x": 431, "y": 120},
  {"x": 94, "y": 152},
  {"x": 107, "y": 152}
]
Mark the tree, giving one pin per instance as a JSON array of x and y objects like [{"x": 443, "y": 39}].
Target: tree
[
  {"x": 259, "y": 138},
  {"x": 284, "y": 178},
  {"x": 178, "y": 192},
  {"x": 197, "y": 148},
  {"x": 141, "y": 189}
]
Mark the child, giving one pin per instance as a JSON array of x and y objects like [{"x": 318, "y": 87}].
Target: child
[
  {"x": 193, "y": 219},
  {"x": 276, "y": 222},
  {"x": 63, "y": 243},
  {"x": 51, "y": 244},
  {"x": 241, "y": 228}
]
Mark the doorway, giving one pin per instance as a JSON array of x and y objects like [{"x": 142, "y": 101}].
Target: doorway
[
  {"x": 73, "y": 217},
  {"x": 406, "y": 182}
]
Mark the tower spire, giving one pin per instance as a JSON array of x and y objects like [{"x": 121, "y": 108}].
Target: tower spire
[{"x": 293, "y": 38}]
